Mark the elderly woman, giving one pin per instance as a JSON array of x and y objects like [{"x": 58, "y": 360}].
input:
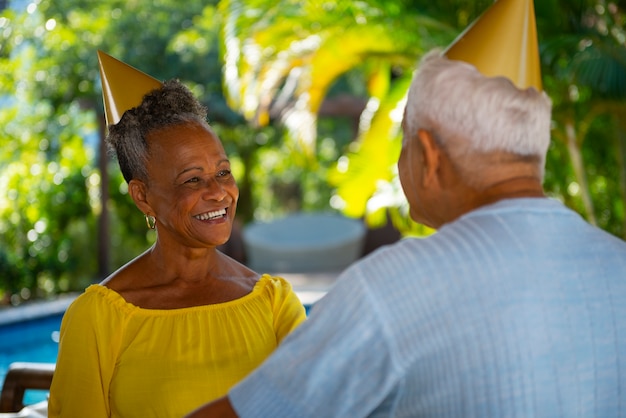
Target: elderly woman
[{"x": 181, "y": 315}]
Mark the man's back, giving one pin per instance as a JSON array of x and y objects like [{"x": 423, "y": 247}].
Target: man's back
[{"x": 517, "y": 309}]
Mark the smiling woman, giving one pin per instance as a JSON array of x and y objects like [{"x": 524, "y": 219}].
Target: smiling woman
[
  {"x": 182, "y": 313},
  {"x": 188, "y": 180}
]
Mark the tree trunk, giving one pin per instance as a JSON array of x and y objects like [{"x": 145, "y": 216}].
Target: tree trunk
[
  {"x": 621, "y": 158},
  {"x": 575, "y": 154},
  {"x": 103, "y": 220}
]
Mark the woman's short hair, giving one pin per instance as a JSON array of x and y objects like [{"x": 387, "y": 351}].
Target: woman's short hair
[
  {"x": 172, "y": 104},
  {"x": 469, "y": 113}
]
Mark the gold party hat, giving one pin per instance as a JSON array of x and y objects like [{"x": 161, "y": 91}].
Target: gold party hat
[
  {"x": 123, "y": 86},
  {"x": 502, "y": 42}
]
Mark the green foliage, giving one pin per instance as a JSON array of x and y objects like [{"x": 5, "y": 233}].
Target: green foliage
[
  {"x": 44, "y": 209},
  {"x": 364, "y": 176},
  {"x": 51, "y": 112},
  {"x": 281, "y": 57},
  {"x": 584, "y": 68}
]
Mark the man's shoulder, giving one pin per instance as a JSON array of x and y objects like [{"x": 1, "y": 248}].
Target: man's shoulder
[{"x": 400, "y": 259}]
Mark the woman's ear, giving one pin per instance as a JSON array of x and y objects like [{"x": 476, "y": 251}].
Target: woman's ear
[
  {"x": 431, "y": 158},
  {"x": 138, "y": 192}
]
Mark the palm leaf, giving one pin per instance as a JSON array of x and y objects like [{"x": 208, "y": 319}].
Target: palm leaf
[
  {"x": 282, "y": 62},
  {"x": 366, "y": 172},
  {"x": 602, "y": 67}
]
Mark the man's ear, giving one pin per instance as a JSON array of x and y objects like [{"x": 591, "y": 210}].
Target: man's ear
[
  {"x": 431, "y": 158},
  {"x": 138, "y": 191}
]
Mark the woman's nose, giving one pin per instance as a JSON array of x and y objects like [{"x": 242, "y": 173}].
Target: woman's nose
[{"x": 215, "y": 190}]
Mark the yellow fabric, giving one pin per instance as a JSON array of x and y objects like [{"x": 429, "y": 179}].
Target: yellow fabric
[{"x": 118, "y": 360}]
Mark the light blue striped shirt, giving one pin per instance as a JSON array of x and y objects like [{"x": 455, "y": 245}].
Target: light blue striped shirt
[{"x": 517, "y": 309}]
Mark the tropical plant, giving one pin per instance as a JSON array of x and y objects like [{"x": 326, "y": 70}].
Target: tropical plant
[
  {"x": 585, "y": 64},
  {"x": 65, "y": 217},
  {"x": 281, "y": 60},
  {"x": 283, "y": 57}
]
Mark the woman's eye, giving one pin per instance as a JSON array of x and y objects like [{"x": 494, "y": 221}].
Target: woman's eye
[
  {"x": 193, "y": 180},
  {"x": 223, "y": 173}
]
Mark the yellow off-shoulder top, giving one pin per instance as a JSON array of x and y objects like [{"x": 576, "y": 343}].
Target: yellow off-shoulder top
[{"x": 118, "y": 360}]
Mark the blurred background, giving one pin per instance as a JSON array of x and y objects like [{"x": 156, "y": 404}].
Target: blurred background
[{"x": 306, "y": 95}]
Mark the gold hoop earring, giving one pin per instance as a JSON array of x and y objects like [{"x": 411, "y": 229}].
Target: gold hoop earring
[{"x": 150, "y": 221}]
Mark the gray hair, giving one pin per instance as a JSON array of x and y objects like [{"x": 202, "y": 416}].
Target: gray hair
[
  {"x": 172, "y": 104},
  {"x": 470, "y": 114}
]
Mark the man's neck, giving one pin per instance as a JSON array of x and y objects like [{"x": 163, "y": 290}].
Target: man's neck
[{"x": 510, "y": 188}]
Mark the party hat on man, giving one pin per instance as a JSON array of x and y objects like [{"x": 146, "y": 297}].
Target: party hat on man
[
  {"x": 502, "y": 42},
  {"x": 123, "y": 86}
]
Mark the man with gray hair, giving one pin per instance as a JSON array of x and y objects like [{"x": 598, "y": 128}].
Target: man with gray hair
[
  {"x": 515, "y": 307},
  {"x": 493, "y": 136}
]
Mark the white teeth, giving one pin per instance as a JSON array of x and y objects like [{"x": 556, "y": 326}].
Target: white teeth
[{"x": 211, "y": 215}]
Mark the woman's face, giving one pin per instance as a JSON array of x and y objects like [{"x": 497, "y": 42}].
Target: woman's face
[{"x": 190, "y": 187}]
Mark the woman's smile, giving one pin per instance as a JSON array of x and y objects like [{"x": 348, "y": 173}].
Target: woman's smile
[{"x": 212, "y": 215}]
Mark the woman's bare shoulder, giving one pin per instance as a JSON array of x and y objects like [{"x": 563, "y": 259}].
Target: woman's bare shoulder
[
  {"x": 127, "y": 276},
  {"x": 239, "y": 273}
]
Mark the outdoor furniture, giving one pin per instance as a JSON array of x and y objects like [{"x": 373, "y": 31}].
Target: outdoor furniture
[
  {"x": 304, "y": 242},
  {"x": 20, "y": 377}
]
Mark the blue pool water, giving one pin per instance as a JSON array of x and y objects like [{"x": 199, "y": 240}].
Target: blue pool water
[
  {"x": 29, "y": 333},
  {"x": 34, "y": 340}
]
